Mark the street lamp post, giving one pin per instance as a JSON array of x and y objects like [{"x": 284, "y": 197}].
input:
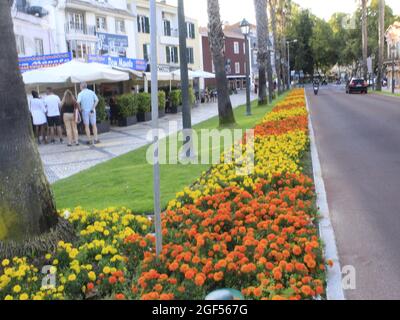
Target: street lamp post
[
  {"x": 154, "y": 108},
  {"x": 245, "y": 28},
  {"x": 288, "y": 50}
]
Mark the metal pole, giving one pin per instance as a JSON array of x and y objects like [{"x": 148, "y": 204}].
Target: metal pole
[
  {"x": 248, "y": 102},
  {"x": 288, "y": 55},
  {"x": 393, "y": 81},
  {"x": 154, "y": 114},
  {"x": 186, "y": 107}
]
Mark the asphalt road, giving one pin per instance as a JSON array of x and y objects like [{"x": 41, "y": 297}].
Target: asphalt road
[{"x": 358, "y": 139}]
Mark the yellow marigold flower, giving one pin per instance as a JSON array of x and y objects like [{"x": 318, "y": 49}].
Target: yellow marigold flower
[
  {"x": 98, "y": 257},
  {"x": 5, "y": 262},
  {"x": 92, "y": 276},
  {"x": 8, "y": 297},
  {"x": 72, "y": 277},
  {"x": 17, "y": 289},
  {"x": 48, "y": 256},
  {"x": 106, "y": 270},
  {"x": 24, "y": 296}
]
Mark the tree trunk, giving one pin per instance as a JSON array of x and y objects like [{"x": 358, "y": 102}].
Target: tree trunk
[
  {"x": 272, "y": 10},
  {"x": 264, "y": 56},
  {"x": 284, "y": 12},
  {"x": 364, "y": 39},
  {"x": 217, "y": 40},
  {"x": 381, "y": 44},
  {"x": 27, "y": 210}
]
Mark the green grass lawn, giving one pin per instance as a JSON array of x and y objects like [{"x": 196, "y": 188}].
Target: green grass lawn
[
  {"x": 386, "y": 93},
  {"x": 126, "y": 181}
]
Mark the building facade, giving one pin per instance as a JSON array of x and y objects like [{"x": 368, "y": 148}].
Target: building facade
[
  {"x": 235, "y": 54},
  {"x": 393, "y": 54},
  {"x": 32, "y": 30},
  {"x": 167, "y": 36}
]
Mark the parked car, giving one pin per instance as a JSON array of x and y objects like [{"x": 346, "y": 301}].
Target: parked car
[{"x": 357, "y": 85}]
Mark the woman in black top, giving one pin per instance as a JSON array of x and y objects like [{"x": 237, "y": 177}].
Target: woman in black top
[{"x": 71, "y": 116}]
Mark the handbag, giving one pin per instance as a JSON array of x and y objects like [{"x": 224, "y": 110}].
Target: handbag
[{"x": 77, "y": 116}]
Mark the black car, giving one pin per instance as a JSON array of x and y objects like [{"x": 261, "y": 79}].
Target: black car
[{"x": 357, "y": 85}]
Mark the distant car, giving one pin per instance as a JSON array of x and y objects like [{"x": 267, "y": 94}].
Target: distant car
[{"x": 357, "y": 85}]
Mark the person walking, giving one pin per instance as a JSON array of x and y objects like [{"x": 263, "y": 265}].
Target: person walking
[
  {"x": 53, "y": 105},
  {"x": 38, "y": 112},
  {"x": 88, "y": 102},
  {"x": 70, "y": 111}
]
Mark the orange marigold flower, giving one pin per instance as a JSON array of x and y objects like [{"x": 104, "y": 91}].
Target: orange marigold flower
[
  {"x": 218, "y": 276},
  {"x": 189, "y": 274},
  {"x": 200, "y": 279},
  {"x": 306, "y": 290},
  {"x": 112, "y": 280},
  {"x": 296, "y": 250},
  {"x": 120, "y": 296}
]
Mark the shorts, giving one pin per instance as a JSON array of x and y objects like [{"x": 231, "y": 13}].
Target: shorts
[
  {"x": 88, "y": 118},
  {"x": 54, "y": 121}
]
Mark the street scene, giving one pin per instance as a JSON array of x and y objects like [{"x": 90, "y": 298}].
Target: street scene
[{"x": 199, "y": 151}]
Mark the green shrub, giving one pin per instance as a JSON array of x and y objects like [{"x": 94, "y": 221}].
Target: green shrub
[
  {"x": 127, "y": 105},
  {"x": 101, "y": 113},
  {"x": 176, "y": 98},
  {"x": 161, "y": 100},
  {"x": 144, "y": 102},
  {"x": 192, "y": 96}
]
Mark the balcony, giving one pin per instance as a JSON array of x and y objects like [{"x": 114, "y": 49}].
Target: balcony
[
  {"x": 80, "y": 29},
  {"x": 172, "y": 39}
]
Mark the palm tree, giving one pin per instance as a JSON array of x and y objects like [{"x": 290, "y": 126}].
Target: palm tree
[
  {"x": 272, "y": 10},
  {"x": 217, "y": 43},
  {"x": 381, "y": 44},
  {"x": 28, "y": 218},
  {"x": 364, "y": 37}
]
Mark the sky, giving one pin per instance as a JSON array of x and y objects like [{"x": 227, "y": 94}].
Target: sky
[{"x": 235, "y": 10}]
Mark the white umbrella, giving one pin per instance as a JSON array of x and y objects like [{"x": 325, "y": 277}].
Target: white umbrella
[
  {"x": 176, "y": 75},
  {"x": 203, "y": 74},
  {"x": 74, "y": 72}
]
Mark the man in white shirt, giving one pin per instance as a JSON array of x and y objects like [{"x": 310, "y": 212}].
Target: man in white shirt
[
  {"x": 88, "y": 102},
  {"x": 53, "y": 104}
]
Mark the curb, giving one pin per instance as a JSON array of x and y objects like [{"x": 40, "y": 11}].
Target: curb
[{"x": 334, "y": 288}]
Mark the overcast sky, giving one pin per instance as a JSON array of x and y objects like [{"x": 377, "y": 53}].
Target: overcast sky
[{"x": 235, "y": 10}]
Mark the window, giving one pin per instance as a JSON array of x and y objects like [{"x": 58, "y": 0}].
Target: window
[
  {"x": 191, "y": 33},
  {"x": 146, "y": 52},
  {"x": 39, "y": 47},
  {"x": 143, "y": 24},
  {"x": 167, "y": 28},
  {"x": 237, "y": 67},
  {"x": 190, "y": 55},
  {"x": 75, "y": 21},
  {"x": 172, "y": 54},
  {"x": 101, "y": 23},
  {"x": 120, "y": 26},
  {"x": 236, "y": 47},
  {"x": 20, "y": 44}
]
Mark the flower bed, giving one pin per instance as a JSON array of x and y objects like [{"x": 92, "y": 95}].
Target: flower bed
[{"x": 255, "y": 233}]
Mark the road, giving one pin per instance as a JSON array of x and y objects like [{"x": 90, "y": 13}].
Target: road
[{"x": 358, "y": 140}]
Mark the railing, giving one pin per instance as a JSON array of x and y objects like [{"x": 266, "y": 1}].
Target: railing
[{"x": 80, "y": 28}]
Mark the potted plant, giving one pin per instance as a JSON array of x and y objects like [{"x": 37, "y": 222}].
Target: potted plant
[
  {"x": 175, "y": 97},
  {"x": 127, "y": 105},
  {"x": 161, "y": 104},
  {"x": 103, "y": 123},
  {"x": 144, "y": 107}
]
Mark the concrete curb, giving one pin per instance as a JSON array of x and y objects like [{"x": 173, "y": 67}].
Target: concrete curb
[{"x": 334, "y": 288}]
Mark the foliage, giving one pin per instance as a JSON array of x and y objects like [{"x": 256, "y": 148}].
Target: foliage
[
  {"x": 101, "y": 113},
  {"x": 127, "y": 104},
  {"x": 175, "y": 97},
  {"x": 192, "y": 96},
  {"x": 161, "y": 100},
  {"x": 144, "y": 102}
]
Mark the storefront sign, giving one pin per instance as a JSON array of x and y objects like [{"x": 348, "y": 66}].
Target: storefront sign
[
  {"x": 45, "y": 61},
  {"x": 133, "y": 64},
  {"x": 112, "y": 43}
]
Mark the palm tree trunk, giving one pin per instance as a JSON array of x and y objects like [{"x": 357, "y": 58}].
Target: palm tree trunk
[
  {"x": 364, "y": 38},
  {"x": 272, "y": 10},
  {"x": 381, "y": 44},
  {"x": 264, "y": 55},
  {"x": 28, "y": 218},
  {"x": 216, "y": 38}
]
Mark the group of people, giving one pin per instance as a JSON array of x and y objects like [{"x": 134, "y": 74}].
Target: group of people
[{"x": 51, "y": 111}]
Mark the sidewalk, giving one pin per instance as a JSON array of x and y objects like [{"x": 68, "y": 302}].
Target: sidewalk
[{"x": 61, "y": 162}]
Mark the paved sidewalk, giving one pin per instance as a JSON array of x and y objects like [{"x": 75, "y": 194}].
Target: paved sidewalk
[{"x": 61, "y": 162}]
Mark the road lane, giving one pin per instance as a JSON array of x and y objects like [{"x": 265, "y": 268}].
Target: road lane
[{"x": 358, "y": 139}]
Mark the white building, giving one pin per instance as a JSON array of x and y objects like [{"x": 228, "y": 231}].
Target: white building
[{"x": 32, "y": 30}]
